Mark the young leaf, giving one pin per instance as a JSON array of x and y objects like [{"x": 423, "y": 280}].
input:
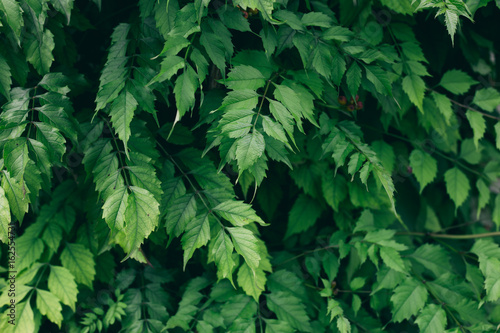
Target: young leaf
[
  {"x": 222, "y": 250},
  {"x": 457, "y": 186},
  {"x": 478, "y": 124},
  {"x": 248, "y": 149},
  {"x": 197, "y": 235},
  {"x": 253, "y": 283},
  {"x": 62, "y": 284},
  {"x": 392, "y": 258},
  {"x": 245, "y": 77},
  {"x": 246, "y": 244},
  {"x": 408, "y": 299},
  {"x": 113, "y": 210},
  {"x": 424, "y": 167},
  {"x": 80, "y": 262},
  {"x": 122, "y": 112},
  {"x": 491, "y": 270},
  {"x": 456, "y": 82}
]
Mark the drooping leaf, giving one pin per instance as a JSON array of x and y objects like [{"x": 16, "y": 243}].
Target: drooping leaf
[
  {"x": 80, "y": 262},
  {"x": 252, "y": 282},
  {"x": 248, "y": 149},
  {"x": 62, "y": 284},
  {"x": 478, "y": 124},
  {"x": 408, "y": 299},
  {"x": 289, "y": 308},
  {"x": 246, "y": 244},
  {"x": 457, "y": 186},
  {"x": 414, "y": 87},
  {"x": 122, "y": 112},
  {"x": 424, "y": 167},
  {"x": 197, "y": 235},
  {"x": 222, "y": 250},
  {"x": 48, "y": 305}
]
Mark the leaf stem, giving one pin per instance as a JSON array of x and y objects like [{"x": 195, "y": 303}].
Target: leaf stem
[{"x": 262, "y": 102}]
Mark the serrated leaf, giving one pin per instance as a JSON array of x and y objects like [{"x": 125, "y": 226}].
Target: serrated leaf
[
  {"x": 248, "y": 149},
  {"x": 62, "y": 284},
  {"x": 487, "y": 99},
  {"x": 245, "y": 77},
  {"x": 497, "y": 132},
  {"x": 303, "y": 215},
  {"x": 392, "y": 258},
  {"x": 113, "y": 210},
  {"x": 51, "y": 138},
  {"x": 456, "y": 81},
  {"x": 246, "y": 244},
  {"x": 5, "y": 218},
  {"x": 457, "y": 186},
  {"x": 444, "y": 105},
  {"x": 238, "y": 213},
  {"x": 39, "y": 51},
  {"x": 274, "y": 129},
  {"x": 64, "y": 7},
  {"x": 121, "y": 112},
  {"x": 478, "y": 124},
  {"x": 408, "y": 299},
  {"x": 424, "y": 167},
  {"x": 48, "y": 305},
  {"x": 184, "y": 90},
  {"x": 13, "y": 16},
  {"x": 222, "y": 250},
  {"x": 434, "y": 258},
  {"x": 197, "y": 235},
  {"x": 432, "y": 319},
  {"x": 496, "y": 211},
  {"x": 24, "y": 321},
  {"x": 278, "y": 326},
  {"x": 80, "y": 262},
  {"x": 179, "y": 213},
  {"x": 252, "y": 282},
  {"x": 338, "y": 33},
  {"x": 264, "y": 6},
  {"x": 334, "y": 189},
  {"x": 353, "y": 78},
  {"x": 380, "y": 80},
  {"x": 16, "y": 193},
  {"x": 343, "y": 325},
  {"x": 290, "y": 309},
  {"x": 491, "y": 271},
  {"x": 15, "y": 154},
  {"x": 414, "y": 87},
  {"x": 5, "y": 78}
]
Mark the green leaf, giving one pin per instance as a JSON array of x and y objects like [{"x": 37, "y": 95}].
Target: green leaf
[
  {"x": 408, "y": 299},
  {"x": 456, "y": 82},
  {"x": 303, "y": 215},
  {"x": 113, "y": 210},
  {"x": 487, "y": 99},
  {"x": 392, "y": 258},
  {"x": 197, "y": 235},
  {"x": 141, "y": 218},
  {"x": 24, "y": 320},
  {"x": 15, "y": 154},
  {"x": 451, "y": 22},
  {"x": 497, "y": 132},
  {"x": 496, "y": 211},
  {"x": 179, "y": 213},
  {"x": 48, "y": 305},
  {"x": 278, "y": 326},
  {"x": 264, "y": 6},
  {"x": 457, "y": 186},
  {"x": 5, "y": 78},
  {"x": 343, "y": 325},
  {"x": 4, "y": 217},
  {"x": 491, "y": 270},
  {"x": 379, "y": 78},
  {"x": 478, "y": 124},
  {"x": 246, "y": 244},
  {"x": 13, "y": 16},
  {"x": 289, "y": 308},
  {"x": 238, "y": 213},
  {"x": 248, "y": 149},
  {"x": 64, "y": 7},
  {"x": 353, "y": 78},
  {"x": 431, "y": 319},
  {"x": 122, "y": 112},
  {"x": 424, "y": 167},
  {"x": 252, "y": 282},
  {"x": 16, "y": 193},
  {"x": 338, "y": 33},
  {"x": 433, "y": 258},
  {"x": 274, "y": 129},
  {"x": 298, "y": 101},
  {"x": 484, "y": 196},
  {"x": 62, "y": 284},
  {"x": 185, "y": 87},
  {"x": 39, "y": 52},
  {"x": 236, "y": 123},
  {"x": 245, "y": 77},
  {"x": 80, "y": 262},
  {"x": 414, "y": 87},
  {"x": 51, "y": 138},
  {"x": 222, "y": 250},
  {"x": 444, "y": 105},
  {"x": 334, "y": 189}
]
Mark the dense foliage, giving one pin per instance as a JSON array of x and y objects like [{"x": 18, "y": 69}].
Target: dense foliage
[{"x": 250, "y": 165}]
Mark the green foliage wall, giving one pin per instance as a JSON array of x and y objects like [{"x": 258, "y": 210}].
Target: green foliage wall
[{"x": 249, "y": 166}]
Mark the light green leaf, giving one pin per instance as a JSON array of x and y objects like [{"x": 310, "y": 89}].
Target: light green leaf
[
  {"x": 414, "y": 87},
  {"x": 141, "y": 218},
  {"x": 424, "y": 167},
  {"x": 264, "y": 6},
  {"x": 52, "y": 139},
  {"x": 179, "y": 213},
  {"x": 392, "y": 258},
  {"x": 385, "y": 153},
  {"x": 353, "y": 78},
  {"x": 497, "y": 132},
  {"x": 13, "y": 16},
  {"x": 274, "y": 129},
  {"x": 290, "y": 309},
  {"x": 317, "y": 19},
  {"x": 284, "y": 117},
  {"x": 113, "y": 210},
  {"x": 238, "y": 213},
  {"x": 245, "y": 77},
  {"x": 48, "y": 305},
  {"x": 15, "y": 155},
  {"x": 457, "y": 186},
  {"x": 478, "y": 125},
  {"x": 408, "y": 299},
  {"x": 491, "y": 270},
  {"x": 434, "y": 258},
  {"x": 24, "y": 321},
  {"x": 62, "y": 284},
  {"x": 222, "y": 250},
  {"x": 303, "y": 215},
  {"x": 185, "y": 87},
  {"x": 343, "y": 325},
  {"x": 432, "y": 319},
  {"x": 487, "y": 99},
  {"x": 451, "y": 22},
  {"x": 252, "y": 282},
  {"x": 338, "y": 33},
  {"x": 248, "y": 149},
  {"x": 39, "y": 51},
  {"x": 246, "y": 244},
  {"x": 484, "y": 196},
  {"x": 456, "y": 82},
  {"x": 236, "y": 123},
  {"x": 4, "y": 217},
  {"x": 197, "y": 235},
  {"x": 278, "y": 326},
  {"x": 379, "y": 78},
  {"x": 80, "y": 262},
  {"x": 5, "y": 78},
  {"x": 121, "y": 112},
  {"x": 496, "y": 211},
  {"x": 444, "y": 105}
]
